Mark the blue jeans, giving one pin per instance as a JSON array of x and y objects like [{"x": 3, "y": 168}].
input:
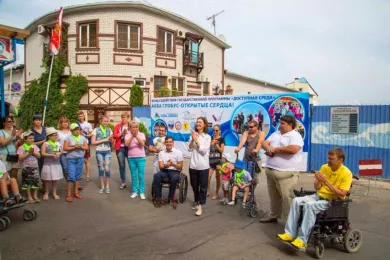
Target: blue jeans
[
  {"x": 137, "y": 170},
  {"x": 75, "y": 168},
  {"x": 121, "y": 155},
  {"x": 63, "y": 163},
  {"x": 103, "y": 159},
  {"x": 173, "y": 176},
  {"x": 311, "y": 206}
]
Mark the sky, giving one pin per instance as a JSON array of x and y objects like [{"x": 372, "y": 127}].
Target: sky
[{"x": 341, "y": 47}]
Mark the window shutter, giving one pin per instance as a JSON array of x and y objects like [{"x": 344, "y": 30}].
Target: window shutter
[
  {"x": 83, "y": 40},
  {"x": 169, "y": 42}
]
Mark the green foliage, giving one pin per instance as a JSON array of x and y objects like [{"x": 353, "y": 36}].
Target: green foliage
[
  {"x": 142, "y": 128},
  {"x": 111, "y": 126},
  {"x": 174, "y": 92},
  {"x": 164, "y": 92},
  {"x": 136, "y": 96},
  {"x": 33, "y": 99},
  {"x": 76, "y": 86}
]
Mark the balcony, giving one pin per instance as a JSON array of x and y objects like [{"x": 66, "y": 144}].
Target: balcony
[{"x": 193, "y": 59}]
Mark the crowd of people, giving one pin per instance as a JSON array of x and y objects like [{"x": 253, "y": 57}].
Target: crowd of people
[{"x": 47, "y": 155}]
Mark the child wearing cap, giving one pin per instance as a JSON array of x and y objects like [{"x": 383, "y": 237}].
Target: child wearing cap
[
  {"x": 225, "y": 170},
  {"x": 28, "y": 158},
  {"x": 242, "y": 180},
  {"x": 74, "y": 145},
  {"x": 51, "y": 170},
  {"x": 4, "y": 181}
]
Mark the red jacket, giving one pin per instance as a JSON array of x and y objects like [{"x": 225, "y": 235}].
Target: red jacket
[{"x": 117, "y": 136}]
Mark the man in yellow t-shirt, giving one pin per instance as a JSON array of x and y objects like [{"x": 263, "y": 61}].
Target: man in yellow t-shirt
[{"x": 332, "y": 182}]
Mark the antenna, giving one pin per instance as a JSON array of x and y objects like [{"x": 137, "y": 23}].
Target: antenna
[{"x": 213, "y": 21}]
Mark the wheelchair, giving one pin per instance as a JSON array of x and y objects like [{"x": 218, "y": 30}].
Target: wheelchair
[
  {"x": 333, "y": 224},
  {"x": 251, "y": 205},
  {"x": 182, "y": 186}
]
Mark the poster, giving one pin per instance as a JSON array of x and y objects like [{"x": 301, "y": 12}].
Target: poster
[{"x": 232, "y": 113}]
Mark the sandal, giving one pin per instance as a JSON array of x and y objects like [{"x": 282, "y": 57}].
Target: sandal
[
  {"x": 88, "y": 179},
  {"x": 19, "y": 199},
  {"x": 78, "y": 196},
  {"x": 31, "y": 202},
  {"x": 123, "y": 186},
  {"x": 215, "y": 197},
  {"x": 45, "y": 197},
  {"x": 69, "y": 199},
  {"x": 37, "y": 200}
]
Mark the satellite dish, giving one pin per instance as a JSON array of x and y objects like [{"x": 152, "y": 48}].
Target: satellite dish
[{"x": 222, "y": 37}]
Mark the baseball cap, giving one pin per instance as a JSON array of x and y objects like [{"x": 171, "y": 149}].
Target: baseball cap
[
  {"x": 74, "y": 126},
  {"x": 37, "y": 116},
  {"x": 27, "y": 133}
]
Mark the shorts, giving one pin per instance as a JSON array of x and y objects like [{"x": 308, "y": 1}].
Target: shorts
[
  {"x": 214, "y": 165},
  {"x": 9, "y": 165},
  {"x": 30, "y": 178},
  {"x": 225, "y": 185},
  {"x": 63, "y": 163},
  {"x": 75, "y": 168},
  {"x": 87, "y": 153}
]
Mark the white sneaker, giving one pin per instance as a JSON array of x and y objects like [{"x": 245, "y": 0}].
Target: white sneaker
[
  {"x": 199, "y": 212},
  {"x": 231, "y": 203},
  {"x": 134, "y": 195},
  {"x": 142, "y": 196}
]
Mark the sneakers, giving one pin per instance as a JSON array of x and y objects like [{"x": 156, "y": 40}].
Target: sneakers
[
  {"x": 195, "y": 206},
  {"x": 224, "y": 201},
  {"x": 243, "y": 205},
  {"x": 231, "y": 203},
  {"x": 101, "y": 191},
  {"x": 134, "y": 195},
  {"x": 285, "y": 237},
  {"x": 108, "y": 191},
  {"x": 199, "y": 212},
  {"x": 142, "y": 196},
  {"x": 299, "y": 244}
]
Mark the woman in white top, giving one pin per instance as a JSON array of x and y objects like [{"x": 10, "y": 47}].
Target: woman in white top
[
  {"x": 199, "y": 163},
  {"x": 63, "y": 134}
]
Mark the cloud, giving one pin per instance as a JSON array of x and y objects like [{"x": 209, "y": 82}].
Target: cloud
[{"x": 341, "y": 47}]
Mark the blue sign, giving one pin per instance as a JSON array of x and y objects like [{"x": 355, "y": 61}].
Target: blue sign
[{"x": 16, "y": 87}]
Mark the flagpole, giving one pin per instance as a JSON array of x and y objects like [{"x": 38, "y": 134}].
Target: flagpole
[
  {"x": 10, "y": 81},
  {"x": 47, "y": 90}
]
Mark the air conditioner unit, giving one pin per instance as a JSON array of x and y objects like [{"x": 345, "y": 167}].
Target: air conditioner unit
[
  {"x": 42, "y": 30},
  {"x": 201, "y": 78},
  {"x": 66, "y": 71},
  {"x": 180, "y": 34}
]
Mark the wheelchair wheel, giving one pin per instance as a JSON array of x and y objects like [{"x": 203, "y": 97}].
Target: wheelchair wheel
[
  {"x": 253, "y": 213},
  {"x": 353, "y": 240},
  {"x": 3, "y": 224},
  {"x": 28, "y": 215},
  {"x": 183, "y": 188},
  {"x": 319, "y": 250}
]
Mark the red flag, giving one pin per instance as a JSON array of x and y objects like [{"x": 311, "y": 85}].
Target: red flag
[{"x": 56, "y": 35}]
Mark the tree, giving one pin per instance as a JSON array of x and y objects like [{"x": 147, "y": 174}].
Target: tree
[
  {"x": 174, "y": 92},
  {"x": 136, "y": 96},
  {"x": 164, "y": 92}
]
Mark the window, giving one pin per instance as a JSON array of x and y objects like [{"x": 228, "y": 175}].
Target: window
[
  {"x": 140, "y": 82},
  {"x": 165, "y": 41},
  {"x": 159, "y": 82},
  {"x": 88, "y": 35},
  {"x": 205, "y": 87},
  {"x": 178, "y": 83},
  {"x": 129, "y": 36}
]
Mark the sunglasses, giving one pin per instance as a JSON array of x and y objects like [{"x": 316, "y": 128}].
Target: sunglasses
[
  {"x": 10, "y": 121},
  {"x": 216, "y": 130},
  {"x": 252, "y": 126}
]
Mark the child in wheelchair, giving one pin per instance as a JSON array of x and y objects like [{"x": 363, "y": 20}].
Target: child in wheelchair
[
  {"x": 6, "y": 181},
  {"x": 242, "y": 180},
  {"x": 225, "y": 170}
]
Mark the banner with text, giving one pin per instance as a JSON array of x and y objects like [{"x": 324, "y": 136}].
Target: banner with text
[{"x": 232, "y": 113}]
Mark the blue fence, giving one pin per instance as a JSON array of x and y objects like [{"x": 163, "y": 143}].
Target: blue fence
[{"x": 372, "y": 140}]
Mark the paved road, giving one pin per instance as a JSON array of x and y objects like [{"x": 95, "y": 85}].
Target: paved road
[{"x": 115, "y": 227}]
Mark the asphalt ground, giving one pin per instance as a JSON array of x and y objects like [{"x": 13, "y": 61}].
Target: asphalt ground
[{"x": 114, "y": 226}]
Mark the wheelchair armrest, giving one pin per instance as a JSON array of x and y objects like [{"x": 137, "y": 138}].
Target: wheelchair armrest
[
  {"x": 340, "y": 202},
  {"x": 355, "y": 177},
  {"x": 302, "y": 192}
]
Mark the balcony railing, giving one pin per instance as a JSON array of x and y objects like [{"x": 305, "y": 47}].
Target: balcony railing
[{"x": 193, "y": 59}]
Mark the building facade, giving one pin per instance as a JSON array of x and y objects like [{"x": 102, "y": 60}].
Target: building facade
[{"x": 118, "y": 44}]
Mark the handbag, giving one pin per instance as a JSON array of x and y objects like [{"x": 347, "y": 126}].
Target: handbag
[
  {"x": 10, "y": 157},
  {"x": 257, "y": 167}
]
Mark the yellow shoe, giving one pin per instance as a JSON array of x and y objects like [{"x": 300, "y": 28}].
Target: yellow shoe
[
  {"x": 299, "y": 244},
  {"x": 285, "y": 237}
]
